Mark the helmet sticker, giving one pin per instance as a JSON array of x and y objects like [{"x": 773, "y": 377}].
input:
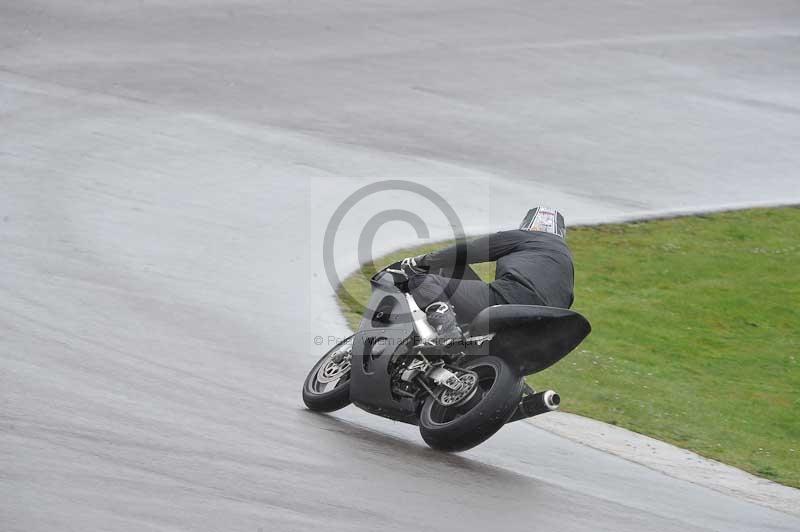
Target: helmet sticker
[{"x": 545, "y": 220}]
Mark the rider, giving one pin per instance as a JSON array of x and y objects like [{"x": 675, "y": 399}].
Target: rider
[{"x": 534, "y": 267}]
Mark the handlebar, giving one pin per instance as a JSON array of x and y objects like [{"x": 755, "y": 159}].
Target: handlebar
[{"x": 396, "y": 272}]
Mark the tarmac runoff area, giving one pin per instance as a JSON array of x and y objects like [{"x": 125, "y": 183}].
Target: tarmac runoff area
[{"x": 168, "y": 170}]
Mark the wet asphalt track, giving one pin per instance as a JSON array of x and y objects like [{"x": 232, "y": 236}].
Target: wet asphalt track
[{"x": 168, "y": 168}]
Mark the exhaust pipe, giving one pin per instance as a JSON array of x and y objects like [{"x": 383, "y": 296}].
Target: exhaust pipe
[{"x": 538, "y": 403}]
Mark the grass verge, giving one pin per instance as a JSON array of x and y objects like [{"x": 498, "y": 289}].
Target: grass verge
[{"x": 696, "y": 333}]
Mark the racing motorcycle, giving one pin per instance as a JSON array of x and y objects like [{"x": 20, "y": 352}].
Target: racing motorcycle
[{"x": 459, "y": 394}]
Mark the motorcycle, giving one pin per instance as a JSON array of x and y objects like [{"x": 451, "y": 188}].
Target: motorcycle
[{"x": 459, "y": 394}]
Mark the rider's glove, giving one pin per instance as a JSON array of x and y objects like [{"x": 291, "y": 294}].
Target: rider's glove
[{"x": 414, "y": 265}]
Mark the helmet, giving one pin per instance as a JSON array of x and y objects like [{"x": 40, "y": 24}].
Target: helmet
[{"x": 545, "y": 220}]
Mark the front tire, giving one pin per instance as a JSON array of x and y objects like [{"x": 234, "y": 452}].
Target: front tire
[
  {"x": 327, "y": 386},
  {"x": 454, "y": 428}
]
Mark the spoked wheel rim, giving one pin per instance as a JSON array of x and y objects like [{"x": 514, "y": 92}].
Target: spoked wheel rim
[
  {"x": 486, "y": 376},
  {"x": 333, "y": 372}
]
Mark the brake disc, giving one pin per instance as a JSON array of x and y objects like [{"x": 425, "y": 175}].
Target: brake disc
[
  {"x": 450, "y": 397},
  {"x": 332, "y": 370}
]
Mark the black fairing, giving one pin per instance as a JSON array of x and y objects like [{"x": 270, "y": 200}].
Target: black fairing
[
  {"x": 529, "y": 337},
  {"x": 385, "y": 330}
]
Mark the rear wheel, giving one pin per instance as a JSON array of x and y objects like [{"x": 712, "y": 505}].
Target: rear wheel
[
  {"x": 463, "y": 426},
  {"x": 327, "y": 386}
]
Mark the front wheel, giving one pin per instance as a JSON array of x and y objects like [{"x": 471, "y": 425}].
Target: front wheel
[
  {"x": 461, "y": 427},
  {"x": 327, "y": 386}
]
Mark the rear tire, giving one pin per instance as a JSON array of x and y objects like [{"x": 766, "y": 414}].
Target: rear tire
[
  {"x": 327, "y": 386},
  {"x": 449, "y": 429}
]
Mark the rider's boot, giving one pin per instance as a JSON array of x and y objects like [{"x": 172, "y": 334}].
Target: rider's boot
[{"x": 442, "y": 318}]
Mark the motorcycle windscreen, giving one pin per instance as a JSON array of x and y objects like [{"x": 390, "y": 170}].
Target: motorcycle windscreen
[{"x": 529, "y": 337}]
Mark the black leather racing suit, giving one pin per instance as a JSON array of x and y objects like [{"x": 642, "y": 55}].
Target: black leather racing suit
[{"x": 533, "y": 268}]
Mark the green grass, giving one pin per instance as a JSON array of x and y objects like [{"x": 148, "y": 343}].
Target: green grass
[{"x": 696, "y": 333}]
